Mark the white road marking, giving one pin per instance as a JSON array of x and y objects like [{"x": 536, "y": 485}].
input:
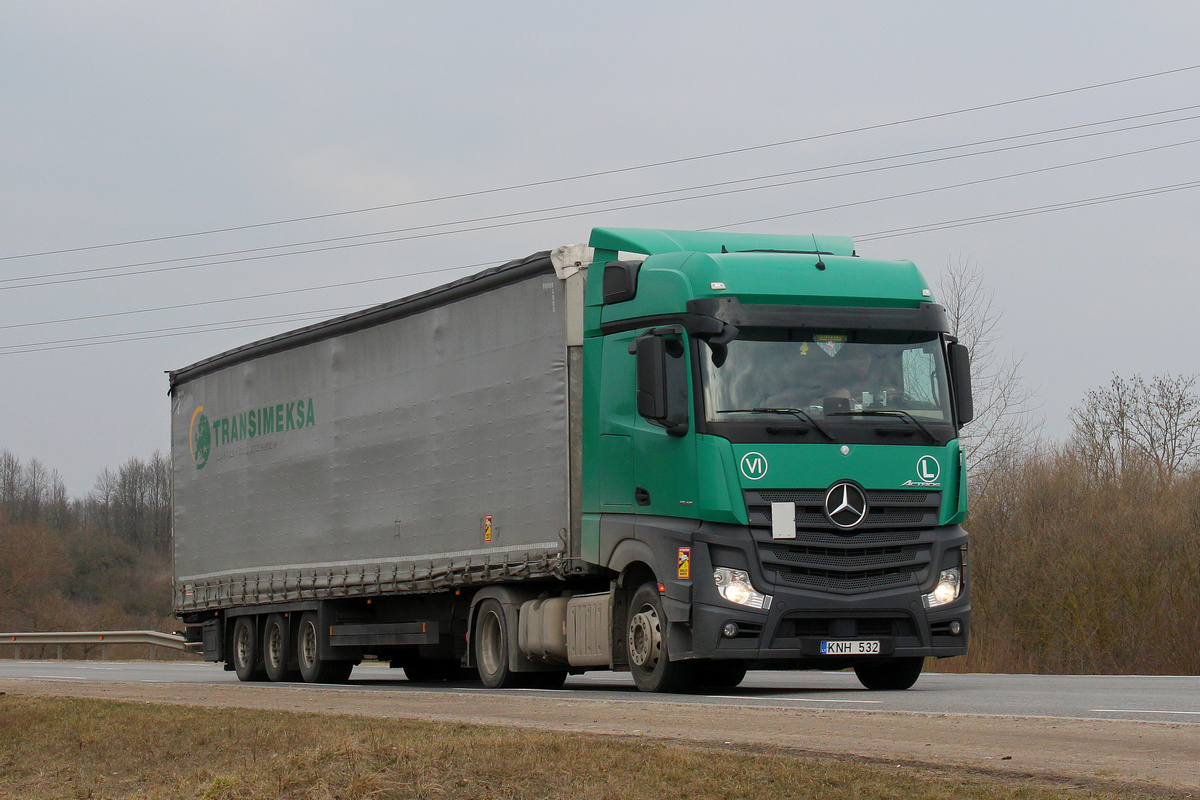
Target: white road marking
[{"x": 1136, "y": 711}]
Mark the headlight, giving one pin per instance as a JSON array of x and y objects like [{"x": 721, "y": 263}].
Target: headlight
[
  {"x": 734, "y": 585},
  {"x": 948, "y": 589}
]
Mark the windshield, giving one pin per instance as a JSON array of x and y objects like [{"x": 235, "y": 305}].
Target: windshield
[{"x": 842, "y": 376}]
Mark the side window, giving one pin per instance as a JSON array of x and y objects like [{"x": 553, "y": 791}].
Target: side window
[{"x": 920, "y": 376}]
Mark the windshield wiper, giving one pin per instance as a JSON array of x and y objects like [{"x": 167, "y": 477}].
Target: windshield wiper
[
  {"x": 891, "y": 412},
  {"x": 795, "y": 412}
]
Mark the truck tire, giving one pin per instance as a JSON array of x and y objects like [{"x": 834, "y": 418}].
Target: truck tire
[
  {"x": 278, "y": 649},
  {"x": 492, "y": 642},
  {"x": 430, "y": 670},
  {"x": 247, "y": 655},
  {"x": 896, "y": 674},
  {"x": 313, "y": 668},
  {"x": 720, "y": 674},
  {"x": 647, "y": 649}
]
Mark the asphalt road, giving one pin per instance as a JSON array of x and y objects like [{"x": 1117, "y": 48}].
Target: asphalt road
[
  {"x": 1171, "y": 699},
  {"x": 1134, "y": 736}
]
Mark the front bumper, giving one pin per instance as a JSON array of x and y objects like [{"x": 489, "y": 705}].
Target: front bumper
[{"x": 800, "y": 619}]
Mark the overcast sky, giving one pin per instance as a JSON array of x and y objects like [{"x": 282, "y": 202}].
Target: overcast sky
[{"x": 131, "y": 121}]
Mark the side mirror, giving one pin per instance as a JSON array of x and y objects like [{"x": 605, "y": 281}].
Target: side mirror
[
  {"x": 960, "y": 375},
  {"x": 662, "y": 388},
  {"x": 651, "y": 377}
]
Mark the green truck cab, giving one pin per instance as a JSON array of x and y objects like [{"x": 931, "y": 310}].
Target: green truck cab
[{"x": 770, "y": 440}]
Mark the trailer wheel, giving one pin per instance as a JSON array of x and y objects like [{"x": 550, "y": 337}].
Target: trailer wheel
[
  {"x": 247, "y": 658},
  {"x": 278, "y": 648},
  {"x": 646, "y": 643},
  {"x": 895, "y": 674},
  {"x": 492, "y": 642},
  {"x": 313, "y": 668}
]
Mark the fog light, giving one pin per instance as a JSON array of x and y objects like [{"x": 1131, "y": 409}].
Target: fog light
[
  {"x": 948, "y": 589},
  {"x": 730, "y": 630},
  {"x": 955, "y": 628},
  {"x": 734, "y": 585}
]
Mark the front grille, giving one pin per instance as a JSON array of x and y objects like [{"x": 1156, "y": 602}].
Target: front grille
[
  {"x": 892, "y": 547},
  {"x": 848, "y": 582},
  {"x": 885, "y": 508},
  {"x": 848, "y": 627}
]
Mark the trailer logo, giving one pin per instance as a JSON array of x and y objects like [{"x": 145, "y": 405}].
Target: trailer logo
[
  {"x": 199, "y": 440},
  {"x": 205, "y": 435},
  {"x": 754, "y": 466}
]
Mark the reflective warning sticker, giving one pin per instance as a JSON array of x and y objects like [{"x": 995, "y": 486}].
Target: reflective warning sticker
[
  {"x": 487, "y": 528},
  {"x": 685, "y": 563}
]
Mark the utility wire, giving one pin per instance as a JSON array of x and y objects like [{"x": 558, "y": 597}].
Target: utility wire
[
  {"x": 569, "y": 215},
  {"x": 627, "y": 198},
  {"x": 157, "y": 333},
  {"x": 865, "y": 237},
  {"x": 952, "y": 186},
  {"x": 249, "y": 297},
  {"x": 1025, "y": 212},
  {"x": 615, "y": 171}
]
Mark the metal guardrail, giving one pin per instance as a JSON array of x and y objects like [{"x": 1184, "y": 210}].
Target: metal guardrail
[{"x": 63, "y": 639}]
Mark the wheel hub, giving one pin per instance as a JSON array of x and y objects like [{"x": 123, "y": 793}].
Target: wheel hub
[{"x": 645, "y": 639}]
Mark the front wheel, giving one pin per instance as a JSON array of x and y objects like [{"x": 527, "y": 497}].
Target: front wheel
[
  {"x": 492, "y": 642},
  {"x": 896, "y": 674},
  {"x": 721, "y": 674},
  {"x": 647, "y": 648}
]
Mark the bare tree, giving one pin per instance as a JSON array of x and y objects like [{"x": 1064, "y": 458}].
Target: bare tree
[
  {"x": 1137, "y": 428},
  {"x": 10, "y": 484},
  {"x": 1005, "y": 425}
]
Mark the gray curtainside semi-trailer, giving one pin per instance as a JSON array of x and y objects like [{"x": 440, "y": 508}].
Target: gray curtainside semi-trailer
[{"x": 731, "y": 451}]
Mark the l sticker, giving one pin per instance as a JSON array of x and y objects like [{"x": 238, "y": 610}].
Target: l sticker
[{"x": 928, "y": 469}]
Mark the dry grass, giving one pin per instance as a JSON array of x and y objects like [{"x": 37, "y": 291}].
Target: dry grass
[{"x": 73, "y": 748}]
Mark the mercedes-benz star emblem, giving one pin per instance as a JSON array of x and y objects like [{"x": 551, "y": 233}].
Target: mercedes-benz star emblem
[{"x": 845, "y": 505}]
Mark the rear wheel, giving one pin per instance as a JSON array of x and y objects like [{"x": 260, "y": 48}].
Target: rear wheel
[
  {"x": 426, "y": 670},
  {"x": 278, "y": 648},
  {"x": 313, "y": 668},
  {"x": 894, "y": 674},
  {"x": 647, "y": 648},
  {"x": 247, "y": 657}
]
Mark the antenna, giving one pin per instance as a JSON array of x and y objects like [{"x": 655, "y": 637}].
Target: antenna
[{"x": 817, "y": 250}]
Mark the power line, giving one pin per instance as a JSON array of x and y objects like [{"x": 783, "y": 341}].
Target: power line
[
  {"x": 615, "y": 171},
  {"x": 865, "y": 237},
  {"x": 676, "y": 191},
  {"x": 576, "y": 214},
  {"x": 249, "y": 297},
  {"x": 1025, "y": 212},
  {"x": 918, "y": 192},
  {"x": 178, "y": 330}
]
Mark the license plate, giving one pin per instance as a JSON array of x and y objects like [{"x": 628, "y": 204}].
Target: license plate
[{"x": 850, "y": 648}]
